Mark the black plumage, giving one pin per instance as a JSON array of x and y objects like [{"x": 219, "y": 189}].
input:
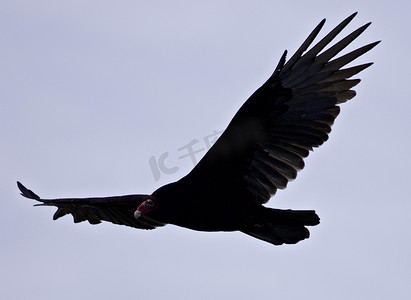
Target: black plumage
[{"x": 261, "y": 150}]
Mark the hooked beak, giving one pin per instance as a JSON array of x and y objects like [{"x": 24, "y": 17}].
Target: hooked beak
[
  {"x": 137, "y": 214},
  {"x": 144, "y": 219}
]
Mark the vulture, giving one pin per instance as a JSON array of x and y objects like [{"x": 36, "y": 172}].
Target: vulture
[{"x": 262, "y": 149}]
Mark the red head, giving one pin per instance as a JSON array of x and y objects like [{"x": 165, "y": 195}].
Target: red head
[{"x": 145, "y": 208}]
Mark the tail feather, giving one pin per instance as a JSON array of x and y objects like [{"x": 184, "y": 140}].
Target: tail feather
[
  {"x": 290, "y": 217},
  {"x": 279, "y": 227},
  {"x": 281, "y": 234}
]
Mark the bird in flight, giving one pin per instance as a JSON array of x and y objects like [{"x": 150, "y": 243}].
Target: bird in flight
[{"x": 262, "y": 149}]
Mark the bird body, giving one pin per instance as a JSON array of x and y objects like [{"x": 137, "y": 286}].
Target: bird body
[
  {"x": 260, "y": 151},
  {"x": 209, "y": 209}
]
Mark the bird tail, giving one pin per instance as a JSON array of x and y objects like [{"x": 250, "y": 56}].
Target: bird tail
[{"x": 277, "y": 226}]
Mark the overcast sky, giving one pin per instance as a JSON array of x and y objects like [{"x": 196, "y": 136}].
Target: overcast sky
[{"x": 92, "y": 91}]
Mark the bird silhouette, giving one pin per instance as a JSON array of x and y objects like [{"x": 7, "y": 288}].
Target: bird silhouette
[{"x": 262, "y": 149}]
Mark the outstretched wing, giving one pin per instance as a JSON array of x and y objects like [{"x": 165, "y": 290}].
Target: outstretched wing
[
  {"x": 118, "y": 209},
  {"x": 265, "y": 143}
]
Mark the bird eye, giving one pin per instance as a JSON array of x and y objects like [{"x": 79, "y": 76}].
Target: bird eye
[{"x": 149, "y": 203}]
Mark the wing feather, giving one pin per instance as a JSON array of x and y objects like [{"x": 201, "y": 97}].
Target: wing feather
[
  {"x": 118, "y": 209},
  {"x": 265, "y": 144}
]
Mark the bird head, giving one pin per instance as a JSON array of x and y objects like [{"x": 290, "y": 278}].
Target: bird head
[
  {"x": 157, "y": 208},
  {"x": 146, "y": 208}
]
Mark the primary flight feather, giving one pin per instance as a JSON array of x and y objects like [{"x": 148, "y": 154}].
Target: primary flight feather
[{"x": 262, "y": 149}]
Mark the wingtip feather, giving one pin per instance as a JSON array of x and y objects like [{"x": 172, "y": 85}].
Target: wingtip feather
[{"x": 25, "y": 192}]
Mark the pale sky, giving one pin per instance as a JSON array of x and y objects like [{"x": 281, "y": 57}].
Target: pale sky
[{"x": 92, "y": 90}]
